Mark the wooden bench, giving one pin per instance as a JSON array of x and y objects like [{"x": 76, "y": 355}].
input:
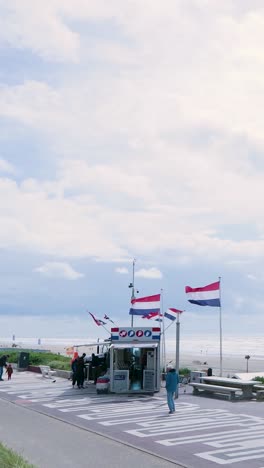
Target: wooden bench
[
  {"x": 47, "y": 372},
  {"x": 206, "y": 388}
]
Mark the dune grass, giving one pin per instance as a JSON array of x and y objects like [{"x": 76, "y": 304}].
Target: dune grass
[
  {"x": 10, "y": 459},
  {"x": 55, "y": 361}
]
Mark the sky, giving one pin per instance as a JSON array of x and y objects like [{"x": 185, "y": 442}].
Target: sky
[{"x": 130, "y": 130}]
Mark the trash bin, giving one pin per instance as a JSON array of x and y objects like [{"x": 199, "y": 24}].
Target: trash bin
[
  {"x": 23, "y": 360},
  {"x": 210, "y": 372}
]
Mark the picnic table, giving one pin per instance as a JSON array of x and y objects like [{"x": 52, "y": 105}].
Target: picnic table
[{"x": 246, "y": 386}]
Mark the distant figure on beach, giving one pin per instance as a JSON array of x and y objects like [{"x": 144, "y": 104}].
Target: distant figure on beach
[
  {"x": 172, "y": 380},
  {"x": 3, "y": 364},
  {"x": 80, "y": 371},
  {"x": 74, "y": 368},
  {"x": 9, "y": 371}
]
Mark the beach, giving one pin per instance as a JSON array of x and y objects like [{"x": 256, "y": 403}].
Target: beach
[{"x": 196, "y": 353}]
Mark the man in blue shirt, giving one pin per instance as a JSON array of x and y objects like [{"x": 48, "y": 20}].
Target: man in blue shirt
[{"x": 172, "y": 380}]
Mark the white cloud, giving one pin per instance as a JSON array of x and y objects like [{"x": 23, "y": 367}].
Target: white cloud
[
  {"x": 149, "y": 273},
  {"x": 59, "y": 270},
  {"x": 252, "y": 277},
  {"x": 122, "y": 270},
  {"x": 5, "y": 166},
  {"x": 193, "y": 161},
  {"x": 29, "y": 25}
]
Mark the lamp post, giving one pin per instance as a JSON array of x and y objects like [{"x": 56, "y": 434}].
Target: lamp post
[{"x": 247, "y": 357}]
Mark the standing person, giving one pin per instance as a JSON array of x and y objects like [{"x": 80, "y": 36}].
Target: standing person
[
  {"x": 74, "y": 369},
  {"x": 172, "y": 380},
  {"x": 95, "y": 364},
  {"x": 80, "y": 371},
  {"x": 9, "y": 371},
  {"x": 3, "y": 364}
]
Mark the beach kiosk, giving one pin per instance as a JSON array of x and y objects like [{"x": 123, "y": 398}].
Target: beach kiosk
[{"x": 135, "y": 360}]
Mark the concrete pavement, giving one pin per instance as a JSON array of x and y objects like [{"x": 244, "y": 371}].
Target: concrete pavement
[
  {"x": 50, "y": 443},
  {"x": 202, "y": 433}
]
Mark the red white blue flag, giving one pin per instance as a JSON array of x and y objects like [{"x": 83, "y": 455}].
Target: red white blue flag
[
  {"x": 151, "y": 315},
  {"x": 172, "y": 313},
  {"x": 108, "y": 318},
  {"x": 97, "y": 321},
  {"x": 145, "y": 305},
  {"x": 154, "y": 315},
  {"x": 205, "y": 296}
]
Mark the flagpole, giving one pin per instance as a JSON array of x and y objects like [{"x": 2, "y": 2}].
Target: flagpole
[
  {"x": 163, "y": 349},
  {"x": 177, "y": 360},
  {"x": 169, "y": 326},
  {"x": 164, "y": 344},
  {"x": 105, "y": 329},
  {"x": 133, "y": 289},
  {"x": 161, "y": 335},
  {"x": 220, "y": 326},
  {"x": 177, "y": 357}
]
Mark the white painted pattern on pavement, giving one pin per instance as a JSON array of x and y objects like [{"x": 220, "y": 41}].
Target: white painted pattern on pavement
[{"x": 233, "y": 438}]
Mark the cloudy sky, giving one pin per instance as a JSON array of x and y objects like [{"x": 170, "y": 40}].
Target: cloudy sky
[{"x": 130, "y": 129}]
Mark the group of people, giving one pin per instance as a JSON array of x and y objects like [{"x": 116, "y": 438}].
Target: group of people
[
  {"x": 97, "y": 366},
  {"x": 77, "y": 366},
  {"x": 8, "y": 367}
]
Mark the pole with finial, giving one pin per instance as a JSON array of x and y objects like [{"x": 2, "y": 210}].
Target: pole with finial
[{"x": 133, "y": 289}]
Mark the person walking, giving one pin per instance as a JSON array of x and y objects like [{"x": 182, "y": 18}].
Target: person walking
[
  {"x": 3, "y": 363},
  {"x": 9, "y": 371},
  {"x": 172, "y": 380}
]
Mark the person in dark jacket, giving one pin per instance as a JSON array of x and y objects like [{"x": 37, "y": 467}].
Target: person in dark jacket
[
  {"x": 80, "y": 371},
  {"x": 95, "y": 366},
  {"x": 172, "y": 380},
  {"x": 3, "y": 363},
  {"x": 74, "y": 370}
]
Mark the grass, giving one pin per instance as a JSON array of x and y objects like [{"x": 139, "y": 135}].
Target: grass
[
  {"x": 55, "y": 361},
  {"x": 10, "y": 459},
  {"x": 184, "y": 371},
  {"x": 259, "y": 379}
]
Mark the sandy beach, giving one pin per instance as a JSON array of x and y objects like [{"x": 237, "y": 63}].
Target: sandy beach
[
  {"x": 231, "y": 363},
  {"x": 196, "y": 359}
]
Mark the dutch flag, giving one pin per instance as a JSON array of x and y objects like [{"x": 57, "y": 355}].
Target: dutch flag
[
  {"x": 145, "y": 305},
  {"x": 172, "y": 313},
  {"x": 205, "y": 296}
]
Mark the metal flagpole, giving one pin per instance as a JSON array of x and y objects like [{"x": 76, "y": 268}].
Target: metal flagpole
[
  {"x": 133, "y": 289},
  {"x": 164, "y": 344},
  {"x": 163, "y": 349},
  {"x": 220, "y": 325},
  {"x": 177, "y": 348},
  {"x": 177, "y": 343},
  {"x": 105, "y": 329}
]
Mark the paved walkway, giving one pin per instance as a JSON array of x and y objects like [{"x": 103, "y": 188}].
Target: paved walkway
[
  {"x": 50, "y": 443},
  {"x": 203, "y": 432}
]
